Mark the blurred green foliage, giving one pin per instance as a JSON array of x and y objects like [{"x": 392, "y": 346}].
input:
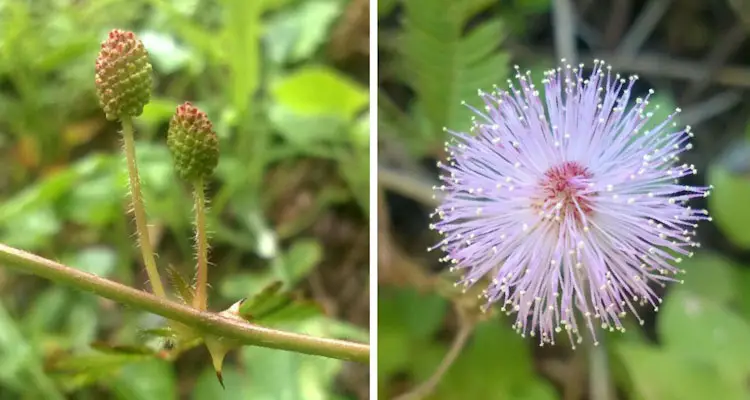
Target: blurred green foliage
[
  {"x": 294, "y": 134},
  {"x": 697, "y": 347}
]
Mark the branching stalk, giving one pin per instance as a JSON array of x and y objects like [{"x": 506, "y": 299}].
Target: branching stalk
[
  {"x": 427, "y": 387},
  {"x": 466, "y": 328},
  {"x": 141, "y": 226},
  {"x": 201, "y": 247},
  {"x": 207, "y": 323}
]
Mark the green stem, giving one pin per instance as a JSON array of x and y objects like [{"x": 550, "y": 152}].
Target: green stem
[
  {"x": 138, "y": 210},
  {"x": 599, "y": 382},
  {"x": 208, "y": 323},
  {"x": 201, "y": 298}
]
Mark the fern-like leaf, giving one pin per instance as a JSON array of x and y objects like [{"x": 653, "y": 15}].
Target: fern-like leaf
[
  {"x": 446, "y": 65},
  {"x": 273, "y": 305},
  {"x": 180, "y": 285}
]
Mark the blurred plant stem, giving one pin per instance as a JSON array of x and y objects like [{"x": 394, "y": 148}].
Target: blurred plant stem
[
  {"x": 139, "y": 211},
  {"x": 600, "y": 387},
  {"x": 466, "y": 327},
  {"x": 204, "y": 322},
  {"x": 201, "y": 247}
]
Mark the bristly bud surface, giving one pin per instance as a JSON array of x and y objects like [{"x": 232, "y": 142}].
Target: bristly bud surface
[
  {"x": 193, "y": 143},
  {"x": 123, "y": 75},
  {"x": 568, "y": 203}
]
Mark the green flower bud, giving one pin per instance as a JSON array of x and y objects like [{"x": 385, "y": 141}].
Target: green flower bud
[
  {"x": 193, "y": 143},
  {"x": 123, "y": 75}
]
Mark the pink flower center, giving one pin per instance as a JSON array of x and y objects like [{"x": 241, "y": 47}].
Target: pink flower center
[{"x": 565, "y": 186}]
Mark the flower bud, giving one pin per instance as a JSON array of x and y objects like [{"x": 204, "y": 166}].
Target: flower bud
[
  {"x": 123, "y": 75},
  {"x": 193, "y": 143}
]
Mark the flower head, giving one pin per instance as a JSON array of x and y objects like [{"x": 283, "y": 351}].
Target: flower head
[
  {"x": 567, "y": 202},
  {"x": 193, "y": 143},
  {"x": 123, "y": 75}
]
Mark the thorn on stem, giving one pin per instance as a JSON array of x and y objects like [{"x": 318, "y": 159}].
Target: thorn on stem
[{"x": 221, "y": 380}]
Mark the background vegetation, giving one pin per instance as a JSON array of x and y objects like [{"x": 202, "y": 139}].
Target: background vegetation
[
  {"x": 436, "y": 53},
  {"x": 285, "y": 83}
]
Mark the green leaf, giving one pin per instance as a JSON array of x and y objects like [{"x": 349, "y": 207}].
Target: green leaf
[
  {"x": 445, "y": 67},
  {"x": 151, "y": 379},
  {"x": 385, "y": 7},
  {"x": 658, "y": 374},
  {"x": 167, "y": 55},
  {"x": 360, "y": 132},
  {"x": 39, "y": 227},
  {"x": 155, "y": 168},
  {"x": 52, "y": 188},
  {"x": 355, "y": 170},
  {"x": 91, "y": 202},
  {"x": 273, "y": 306},
  {"x": 244, "y": 283},
  {"x": 294, "y": 311},
  {"x": 299, "y": 260},
  {"x": 22, "y": 370},
  {"x": 82, "y": 323},
  {"x": 406, "y": 320},
  {"x": 157, "y": 111},
  {"x": 47, "y": 310},
  {"x": 304, "y": 131},
  {"x": 241, "y": 38},
  {"x": 96, "y": 260},
  {"x": 703, "y": 330},
  {"x": 407, "y": 325},
  {"x": 180, "y": 285},
  {"x": 274, "y": 374},
  {"x": 321, "y": 92},
  {"x": 182, "y": 24},
  {"x": 728, "y": 201},
  {"x": 497, "y": 348},
  {"x": 36, "y": 207},
  {"x": 263, "y": 301},
  {"x": 418, "y": 314},
  {"x": 710, "y": 275},
  {"x": 299, "y": 32},
  {"x": 271, "y": 374},
  {"x": 80, "y": 370}
]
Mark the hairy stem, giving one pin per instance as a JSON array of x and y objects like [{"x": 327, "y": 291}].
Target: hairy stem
[
  {"x": 201, "y": 247},
  {"x": 138, "y": 210},
  {"x": 208, "y": 323}
]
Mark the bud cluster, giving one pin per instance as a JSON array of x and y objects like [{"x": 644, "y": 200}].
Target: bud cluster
[
  {"x": 193, "y": 143},
  {"x": 123, "y": 75}
]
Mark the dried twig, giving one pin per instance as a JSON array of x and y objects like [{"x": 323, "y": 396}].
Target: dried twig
[
  {"x": 395, "y": 267},
  {"x": 351, "y": 35},
  {"x": 723, "y": 49},
  {"x": 642, "y": 28},
  {"x": 408, "y": 186},
  {"x": 565, "y": 32},
  {"x": 656, "y": 65},
  {"x": 705, "y": 110},
  {"x": 618, "y": 21}
]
